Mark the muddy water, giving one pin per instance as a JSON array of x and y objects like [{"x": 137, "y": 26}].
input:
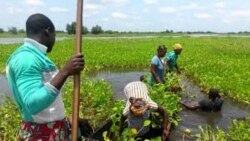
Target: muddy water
[
  {"x": 118, "y": 79},
  {"x": 190, "y": 119}
]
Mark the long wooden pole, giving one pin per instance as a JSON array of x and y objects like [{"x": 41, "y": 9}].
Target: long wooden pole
[{"x": 77, "y": 77}]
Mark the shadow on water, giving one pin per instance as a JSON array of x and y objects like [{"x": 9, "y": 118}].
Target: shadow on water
[{"x": 189, "y": 119}]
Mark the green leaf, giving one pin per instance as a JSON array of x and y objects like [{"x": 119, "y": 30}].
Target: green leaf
[{"x": 146, "y": 122}]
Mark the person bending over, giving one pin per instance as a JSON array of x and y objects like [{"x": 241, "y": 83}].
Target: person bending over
[
  {"x": 138, "y": 108},
  {"x": 171, "y": 58}
]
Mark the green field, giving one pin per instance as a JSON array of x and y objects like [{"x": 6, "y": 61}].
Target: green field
[
  {"x": 209, "y": 61},
  {"x": 220, "y": 62}
]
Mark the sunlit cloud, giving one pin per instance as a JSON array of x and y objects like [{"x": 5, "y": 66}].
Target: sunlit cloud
[
  {"x": 119, "y": 15},
  {"x": 192, "y": 6},
  {"x": 115, "y": 2},
  {"x": 150, "y": 1},
  {"x": 220, "y": 5},
  {"x": 240, "y": 13},
  {"x": 105, "y": 19},
  {"x": 227, "y": 21},
  {"x": 168, "y": 10},
  {"x": 33, "y": 2},
  {"x": 91, "y": 7},
  {"x": 58, "y": 9},
  {"x": 202, "y": 16},
  {"x": 14, "y": 10}
]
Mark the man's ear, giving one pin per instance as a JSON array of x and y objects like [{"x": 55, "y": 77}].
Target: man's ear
[
  {"x": 46, "y": 32},
  {"x": 132, "y": 100}
]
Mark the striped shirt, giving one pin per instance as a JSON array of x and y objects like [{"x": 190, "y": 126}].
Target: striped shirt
[{"x": 137, "y": 89}]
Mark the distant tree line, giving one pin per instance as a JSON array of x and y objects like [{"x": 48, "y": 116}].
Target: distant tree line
[
  {"x": 71, "y": 29},
  {"x": 13, "y": 30}
]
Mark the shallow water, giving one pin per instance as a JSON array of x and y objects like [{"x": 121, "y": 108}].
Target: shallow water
[
  {"x": 190, "y": 119},
  {"x": 118, "y": 79},
  {"x": 11, "y": 40}
]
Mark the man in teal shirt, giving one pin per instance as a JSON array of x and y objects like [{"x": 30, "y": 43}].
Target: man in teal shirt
[
  {"x": 171, "y": 58},
  {"x": 36, "y": 82}
]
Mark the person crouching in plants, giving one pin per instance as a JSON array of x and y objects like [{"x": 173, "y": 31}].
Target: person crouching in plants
[
  {"x": 171, "y": 58},
  {"x": 214, "y": 102},
  {"x": 137, "y": 112}
]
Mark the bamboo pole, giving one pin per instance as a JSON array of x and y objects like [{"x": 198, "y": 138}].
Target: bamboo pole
[{"x": 77, "y": 76}]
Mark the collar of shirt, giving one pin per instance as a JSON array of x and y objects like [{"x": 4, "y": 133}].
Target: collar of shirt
[{"x": 36, "y": 44}]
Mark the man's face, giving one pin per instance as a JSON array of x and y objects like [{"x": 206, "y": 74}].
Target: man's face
[{"x": 51, "y": 41}]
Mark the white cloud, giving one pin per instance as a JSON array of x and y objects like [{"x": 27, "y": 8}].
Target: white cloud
[
  {"x": 220, "y": 11},
  {"x": 92, "y": 9},
  {"x": 240, "y": 13},
  {"x": 136, "y": 18},
  {"x": 14, "y": 10},
  {"x": 191, "y": 6},
  {"x": 91, "y": 6},
  {"x": 202, "y": 16},
  {"x": 34, "y": 9},
  {"x": 119, "y": 15},
  {"x": 227, "y": 21},
  {"x": 150, "y": 1},
  {"x": 58, "y": 9},
  {"x": 86, "y": 15},
  {"x": 168, "y": 10},
  {"x": 220, "y": 5},
  {"x": 145, "y": 10},
  {"x": 33, "y": 2},
  {"x": 105, "y": 19},
  {"x": 115, "y": 2}
]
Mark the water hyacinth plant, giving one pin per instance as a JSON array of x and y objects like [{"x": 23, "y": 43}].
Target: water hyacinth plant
[{"x": 208, "y": 61}]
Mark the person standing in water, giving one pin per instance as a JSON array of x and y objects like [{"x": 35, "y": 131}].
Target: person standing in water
[
  {"x": 171, "y": 58},
  {"x": 157, "y": 66}
]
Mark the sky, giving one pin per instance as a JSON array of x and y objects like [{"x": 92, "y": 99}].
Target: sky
[{"x": 134, "y": 15}]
